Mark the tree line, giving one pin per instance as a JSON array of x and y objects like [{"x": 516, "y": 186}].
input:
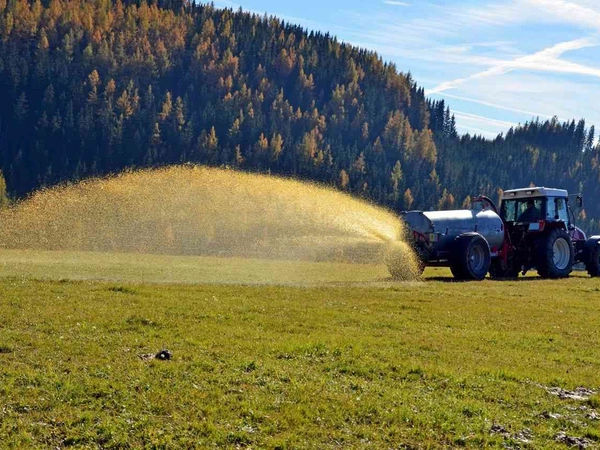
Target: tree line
[{"x": 92, "y": 87}]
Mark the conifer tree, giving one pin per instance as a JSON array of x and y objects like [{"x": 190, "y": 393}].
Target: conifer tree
[
  {"x": 408, "y": 199},
  {"x": 3, "y": 194}
]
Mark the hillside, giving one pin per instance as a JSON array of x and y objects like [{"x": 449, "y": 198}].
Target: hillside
[{"x": 90, "y": 88}]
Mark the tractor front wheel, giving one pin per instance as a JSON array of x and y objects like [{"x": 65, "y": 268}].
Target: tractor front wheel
[
  {"x": 556, "y": 255},
  {"x": 470, "y": 257},
  {"x": 592, "y": 263}
]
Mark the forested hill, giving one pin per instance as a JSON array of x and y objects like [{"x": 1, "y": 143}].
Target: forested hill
[{"x": 90, "y": 88}]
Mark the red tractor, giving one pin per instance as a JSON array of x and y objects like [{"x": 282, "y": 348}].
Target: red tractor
[{"x": 534, "y": 228}]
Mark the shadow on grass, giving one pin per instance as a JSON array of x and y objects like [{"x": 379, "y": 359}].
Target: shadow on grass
[{"x": 493, "y": 280}]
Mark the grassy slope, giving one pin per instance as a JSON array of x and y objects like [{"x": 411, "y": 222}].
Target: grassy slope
[{"x": 432, "y": 364}]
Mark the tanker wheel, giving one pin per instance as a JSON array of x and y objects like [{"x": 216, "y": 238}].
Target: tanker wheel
[
  {"x": 500, "y": 271},
  {"x": 470, "y": 257},
  {"x": 556, "y": 255},
  {"x": 593, "y": 262}
]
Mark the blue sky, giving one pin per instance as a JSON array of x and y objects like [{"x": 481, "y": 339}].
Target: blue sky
[{"x": 495, "y": 62}]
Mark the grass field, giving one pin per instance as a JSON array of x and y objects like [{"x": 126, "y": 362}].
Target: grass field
[
  {"x": 312, "y": 356},
  {"x": 135, "y": 268}
]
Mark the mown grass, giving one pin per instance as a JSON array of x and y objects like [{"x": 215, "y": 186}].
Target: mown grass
[
  {"x": 140, "y": 268},
  {"x": 383, "y": 365}
]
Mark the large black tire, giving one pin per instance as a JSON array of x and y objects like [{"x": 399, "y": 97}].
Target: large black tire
[
  {"x": 470, "y": 258},
  {"x": 592, "y": 262},
  {"x": 501, "y": 271},
  {"x": 556, "y": 255}
]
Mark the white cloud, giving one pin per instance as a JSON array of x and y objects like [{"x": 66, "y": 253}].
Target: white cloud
[
  {"x": 482, "y": 119},
  {"x": 546, "y": 60},
  {"x": 432, "y": 54},
  {"x": 495, "y": 105},
  {"x": 583, "y": 13},
  {"x": 575, "y": 12},
  {"x": 453, "y": 21},
  {"x": 567, "y": 99},
  {"x": 476, "y": 130},
  {"x": 395, "y": 3}
]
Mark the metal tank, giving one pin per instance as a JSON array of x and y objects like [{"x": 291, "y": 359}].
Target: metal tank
[{"x": 435, "y": 231}]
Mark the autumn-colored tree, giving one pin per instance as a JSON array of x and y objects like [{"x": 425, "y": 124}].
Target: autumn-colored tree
[
  {"x": 225, "y": 87},
  {"x": 447, "y": 201},
  {"x": 344, "y": 180},
  {"x": 466, "y": 204},
  {"x": 3, "y": 194},
  {"x": 208, "y": 146},
  {"x": 276, "y": 147}
]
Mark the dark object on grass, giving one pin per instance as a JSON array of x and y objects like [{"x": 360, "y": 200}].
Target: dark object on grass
[
  {"x": 499, "y": 429},
  {"x": 164, "y": 355},
  {"x": 572, "y": 441}
]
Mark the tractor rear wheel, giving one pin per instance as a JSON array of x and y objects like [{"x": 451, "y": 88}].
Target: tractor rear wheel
[
  {"x": 556, "y": 255},
  {"x": 592, "y": 263},
  {"x": 470, "y": 257}
]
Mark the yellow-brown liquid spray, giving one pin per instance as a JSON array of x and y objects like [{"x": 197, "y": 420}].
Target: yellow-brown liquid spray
[{"x": 189, "y": 210}]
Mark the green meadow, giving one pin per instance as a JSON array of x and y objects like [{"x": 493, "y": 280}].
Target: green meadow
[{"x": 289, "y": 355}]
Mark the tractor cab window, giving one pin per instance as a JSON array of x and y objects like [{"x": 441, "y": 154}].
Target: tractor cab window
[
  {"x": 522, "y": 209},
  {"x": 557, "y": 209}
]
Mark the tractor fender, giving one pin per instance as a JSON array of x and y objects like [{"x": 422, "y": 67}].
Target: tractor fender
[
  {"x": 469, "y": 235},
  {"x": 474, "y": 233}
]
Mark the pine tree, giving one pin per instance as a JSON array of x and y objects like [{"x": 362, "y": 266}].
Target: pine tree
[
  {"x": 262, "y": 145},
  {"x": 446, "y": 201},
  {"x": 208, "y": 144},
  {"x": 396, "y": 179},
  {"x": 276, "y": 147},
  {"x": 3, "y": 194},
  {"x": 167, "y": 107},
  {"x": 124, "y": 106},
  {"x": 408, "y": 199},
  {"x": 93, "y": 83},
  {"x": 21, "y": 108},
  {"x": 343, "y": 180},
  {"x": 466, "y": 204},
  {"x": 239, "y": 157}
]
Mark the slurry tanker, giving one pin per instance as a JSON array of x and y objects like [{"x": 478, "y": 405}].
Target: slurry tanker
[{"x": 534, "y": 228}]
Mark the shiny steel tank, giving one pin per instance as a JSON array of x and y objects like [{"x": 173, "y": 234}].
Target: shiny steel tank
[{"x": 440, "y": 228}]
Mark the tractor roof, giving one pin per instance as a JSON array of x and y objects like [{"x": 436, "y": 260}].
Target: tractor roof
[{"x": 534, "y": 192}]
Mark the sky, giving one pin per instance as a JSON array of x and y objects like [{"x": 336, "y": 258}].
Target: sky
[{"x": 496, "y": 63}]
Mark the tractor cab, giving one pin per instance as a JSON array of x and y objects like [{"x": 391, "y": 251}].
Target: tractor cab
[{"x": 535, "y": 209}]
